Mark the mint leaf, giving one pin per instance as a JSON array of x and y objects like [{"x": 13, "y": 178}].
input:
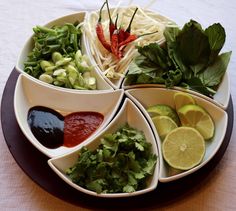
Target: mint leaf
[
  {"x": 170, "y": 34},
  {"x": 156, "y": 54},
  {"x": 192, "y": 44},
  {"x": 197, "y": 85},
  {"x": 216, "y": 37},
  {"x": 189, "y": 58},
  {"x": 213, "y": 74}
]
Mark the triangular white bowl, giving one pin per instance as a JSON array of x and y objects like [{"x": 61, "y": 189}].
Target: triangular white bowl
[
  {"x": 145, "y": 97},
  {"x": 221, "y": 98},
  {"x": 28, "y": 46},
  {"x": 116, "y": 83},
  {"x": 129, "y": 113},
  {"x": 29, "y": 93}
]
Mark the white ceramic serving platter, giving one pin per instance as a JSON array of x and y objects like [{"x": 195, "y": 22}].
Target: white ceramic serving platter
[
  {"x": 29, "y": 93},
  {"x": 221, "y": 98},
  {"x": 146, "y": 97},
  {"x": 28, "y": 46},
  {"x": 130, "y": 114},
  {"x": 116, "y": 83}
]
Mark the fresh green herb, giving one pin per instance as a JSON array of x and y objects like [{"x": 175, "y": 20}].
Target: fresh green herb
[
  {"x": 56, "y": 57},
  {"x": 122, "y": 163},
  {"x": 190, "y": 59}
]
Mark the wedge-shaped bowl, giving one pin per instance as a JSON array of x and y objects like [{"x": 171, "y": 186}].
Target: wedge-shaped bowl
[
  {"x": 129, "y": 113},
  {"x": 29, "y": 93},
  {"x": 221, "y": 98},
  {"x": 94, "y": 47},
  {"x": 28, "y": 46},
  {"x": 146, "y": 97}
]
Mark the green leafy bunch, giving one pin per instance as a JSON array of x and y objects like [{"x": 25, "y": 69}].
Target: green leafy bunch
[
  {"x": 190, "y": 58},
  {"x": 63, "y": 39},
  {"x": 122, "y": 163}
]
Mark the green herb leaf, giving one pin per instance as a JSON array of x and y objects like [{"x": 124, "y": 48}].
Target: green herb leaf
[
  {"x": 156, "y": 54},
  {"x": 213, "y": 74},
  {"x": 189, "y": 58},
  {"x": 216, "y": 37},
  {"x": 192, "y": 44},
  {"x": 122, "y": 163},
  {"x": 196, "y": 84}
]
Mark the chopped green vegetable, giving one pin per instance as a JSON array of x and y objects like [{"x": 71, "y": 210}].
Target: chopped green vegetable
[
  {"x": 56, "y": 52},
  {"x": 189, "y": 59},
  {"x": 122, "y": 163}
]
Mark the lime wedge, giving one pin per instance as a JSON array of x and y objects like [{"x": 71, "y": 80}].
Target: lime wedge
[
  {"x": 181, "y": 99},
  {"x": 196, "y": 117},
  {"x": 164, "y": 125},
  {"x": 163, "y": 110},
  {"x": 183, "y": 148}
]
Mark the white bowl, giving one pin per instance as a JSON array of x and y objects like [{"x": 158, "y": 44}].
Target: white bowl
[
  {"x": 128, "y": 113},
  {"x": 116, "y": 83},
  {"x": 29, "y": 93},
  {"x": 146, "y": 97},
  {"x": 221, "y": 98},
  {"x": 28, "y": 46}
]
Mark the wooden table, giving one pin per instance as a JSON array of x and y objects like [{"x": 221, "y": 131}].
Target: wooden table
[{"x": 216, "y": 192}]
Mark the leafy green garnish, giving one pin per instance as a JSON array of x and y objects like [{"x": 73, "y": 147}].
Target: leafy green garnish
[
  {"x": 190, "y": 59},
  {"x": 63, "y": 39},
  {"x": 122, "y": 163}
]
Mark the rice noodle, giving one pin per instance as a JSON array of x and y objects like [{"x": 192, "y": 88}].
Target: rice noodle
[{"x": 144, "y": 22}]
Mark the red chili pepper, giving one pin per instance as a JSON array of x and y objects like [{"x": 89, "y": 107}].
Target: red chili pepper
[
  {"x": 100, "y": 33},
  {"x": 115, "y": 44},
  {"x": 112, "y": 26},
  {"x": 132, "y": 38},
  {"x": 128, "y": 30},
  {"x": 121, "y": 35},
  {"x": 128, "y": 40},
  {"x": 124, "y": 34},
  {"x": 116, "y": 21}
]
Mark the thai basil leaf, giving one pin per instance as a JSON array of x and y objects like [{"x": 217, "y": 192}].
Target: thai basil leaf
[
  {"x": 213, "y": 74},
  {"x": 216, "y": 37},
  {"x": 192, "y": 44},
  {"x": 156, "y": 54},
  {"x": 196, "y": 84},
  {"x": 170, "y": 34}
]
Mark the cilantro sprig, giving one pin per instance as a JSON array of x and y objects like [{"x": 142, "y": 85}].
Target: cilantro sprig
[{"x": 122, "y": 163}]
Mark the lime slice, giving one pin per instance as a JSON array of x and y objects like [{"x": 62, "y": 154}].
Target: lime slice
[
  {"x": 195, "y": 116},
  {"x": 164, "y": 125},
  {"x": 183, "y": 148},
  {"x": 181, "y": 99},
  {"x": 163, "y": 110}
]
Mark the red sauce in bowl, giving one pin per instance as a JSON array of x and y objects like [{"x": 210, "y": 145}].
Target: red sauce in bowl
[
  {"x": 79, "y": 126},
  {"x": 53, "y": 130}
]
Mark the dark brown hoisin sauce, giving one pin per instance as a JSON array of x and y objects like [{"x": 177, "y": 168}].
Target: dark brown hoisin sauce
[{"x": 53, "y": 130}]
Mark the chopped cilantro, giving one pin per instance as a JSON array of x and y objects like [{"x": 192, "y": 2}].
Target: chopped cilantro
[{"x": 122, "y": 163}]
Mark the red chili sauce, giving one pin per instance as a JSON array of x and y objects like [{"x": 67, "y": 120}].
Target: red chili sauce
[
  {"x": 53, "y": 130},
  {"x": 79, "y": 126}
]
